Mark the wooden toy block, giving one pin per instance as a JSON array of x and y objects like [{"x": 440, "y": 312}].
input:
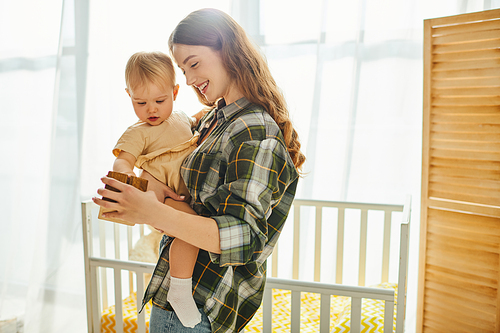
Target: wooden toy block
[{"x": 137, "y": 182}]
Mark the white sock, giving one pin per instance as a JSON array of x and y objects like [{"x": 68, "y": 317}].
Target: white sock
[{"x": 180, "y": 296}]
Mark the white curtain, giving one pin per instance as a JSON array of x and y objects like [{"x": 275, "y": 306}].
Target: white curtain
[{"x": 351, "y": 72}]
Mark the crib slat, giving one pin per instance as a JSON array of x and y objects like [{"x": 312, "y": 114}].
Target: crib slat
[
  {"x": 130, "y": 243},
  {"x": 356, "y": 314},
  {"x": 295, "y": 312},
  {"x": 117, "y": 240},
  {"x": 129, "y": 248},
  {"x": 362, "y": 247},
  {"x": 96, "y": 304},
  {"x": 387, "y": 245},
  {"x": 388, "y": 316},
  {"x": 274, "y": 261},
  {"x": 296, "y": 242},
  {"x": 141, "y": 317},
  {"x": 267, "y": 310},
  {"x": 340, "y": 246},
  {"x": 402, "y": 280},
  {"x": 317, "y": 241},
  {"x": 324, "y": 314},
  {"x": 102, "y": 253},
  {"x": 118, "y": 301},
  {"x": 88, "y": 252}
]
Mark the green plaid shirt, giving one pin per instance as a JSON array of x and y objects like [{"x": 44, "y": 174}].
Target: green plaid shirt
[{"x": 243, "y": 177}]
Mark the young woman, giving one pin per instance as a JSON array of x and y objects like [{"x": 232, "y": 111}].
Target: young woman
[{"x": 242, "y": 178}]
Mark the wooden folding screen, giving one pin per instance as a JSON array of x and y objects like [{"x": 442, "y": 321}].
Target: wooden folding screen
[{"x": 459, "y": 272}]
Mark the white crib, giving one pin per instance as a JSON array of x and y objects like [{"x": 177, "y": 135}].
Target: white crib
[{"x": 108, "y": 274}]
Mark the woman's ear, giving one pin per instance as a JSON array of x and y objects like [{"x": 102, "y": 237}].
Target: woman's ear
[{"x": 176, "y": 90}]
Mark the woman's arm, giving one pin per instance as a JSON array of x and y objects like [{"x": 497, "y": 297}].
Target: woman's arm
[{"x": 140, "y": 207}]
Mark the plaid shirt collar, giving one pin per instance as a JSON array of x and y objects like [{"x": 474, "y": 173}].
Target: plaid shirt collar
[{"x": 222, "y": 113}]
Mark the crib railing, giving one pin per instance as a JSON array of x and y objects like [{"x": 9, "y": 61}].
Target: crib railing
[
  {"x": 98, "y": 261},
  {"x": 355, "y": 293},
  {"x": 341, "y": 207}
]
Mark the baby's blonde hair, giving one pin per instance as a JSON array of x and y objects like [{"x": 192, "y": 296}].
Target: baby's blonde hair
[{"x": 149, "y": 67}]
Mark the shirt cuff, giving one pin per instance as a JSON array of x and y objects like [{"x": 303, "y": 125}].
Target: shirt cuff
[{"x": 237, "y": 242}]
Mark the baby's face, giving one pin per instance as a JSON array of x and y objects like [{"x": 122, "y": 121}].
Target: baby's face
[{"x": 153, "y": 104}]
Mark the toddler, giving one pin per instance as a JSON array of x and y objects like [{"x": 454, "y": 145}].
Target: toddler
[{"x": 158, "y": 144}]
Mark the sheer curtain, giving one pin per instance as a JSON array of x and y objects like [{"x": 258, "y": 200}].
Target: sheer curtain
[
  {"x": 40, "y": 262},
  {"x": 351, "y": 72}
]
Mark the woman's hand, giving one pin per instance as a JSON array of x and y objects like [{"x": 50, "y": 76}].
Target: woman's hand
[
  {"x": 132, "y": 204},
  {"x": 161, "y": 190}
]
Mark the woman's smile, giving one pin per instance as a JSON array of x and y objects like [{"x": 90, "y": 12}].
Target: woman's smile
[{"x": 203, "y": 87}]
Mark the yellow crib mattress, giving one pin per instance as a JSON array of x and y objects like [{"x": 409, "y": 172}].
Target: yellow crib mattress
[
  {"x": 372, "y": 313},
  {"x": 108, "y": 322}
]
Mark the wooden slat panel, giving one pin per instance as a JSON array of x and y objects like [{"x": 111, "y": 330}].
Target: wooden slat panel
[
  {"x": 464, "y": 65},
  {"x": 465, "y": 28},
  {"x": 467, "y": 83},
  {"x": 461, "y": 136},
  {"x": 458, "y": 145},
  {"x": 457, "y": 255},
  {"x": 465, "y": 207},
  {"x": 466, "y": 172},
  {"x": 466, "y": 128},
  {"x": 482, "y": 72},
  {"x": 460, "y": 256},
  {"x": 466, "y": 37},
  {"x": 460, "y": 232},
  {"x": 465, "y": 92},
  {"x": 466, "y": 47},
  {"x": 438, "y": 324},
  {"x": 445, "y": 297},
  {"x": 447, "y": 233},
  {"x": 447, "y": 287},
  {"x": 479, "y": 320},
  {"x": 480, "y": 224},
  {"x": 485, "y": 166},
  {"x": 467, "y": 118},
  {"x": 465, "y": 18},
  {"x": 456, "y": 191},
  {"x": 491, "y": 283},
  {"x": 479, "y": 100},
  {"x": 435, "y": 258},
  {"x": 468, "y": 306},
  {"x": 464, "y": 154},
  {"x": 474, "y": 173},
  {"x": 471, "y": 55},
  {"x": 495, "y": 109},
  {"x": 451, "y": 193},
  {"x": 466, "y": 182}
]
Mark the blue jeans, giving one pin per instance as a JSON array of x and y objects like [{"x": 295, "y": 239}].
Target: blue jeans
[{"x": 163, "y": 321}]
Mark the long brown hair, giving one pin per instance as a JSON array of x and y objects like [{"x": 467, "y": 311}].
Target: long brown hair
[{"x": 246, "y": 66}]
